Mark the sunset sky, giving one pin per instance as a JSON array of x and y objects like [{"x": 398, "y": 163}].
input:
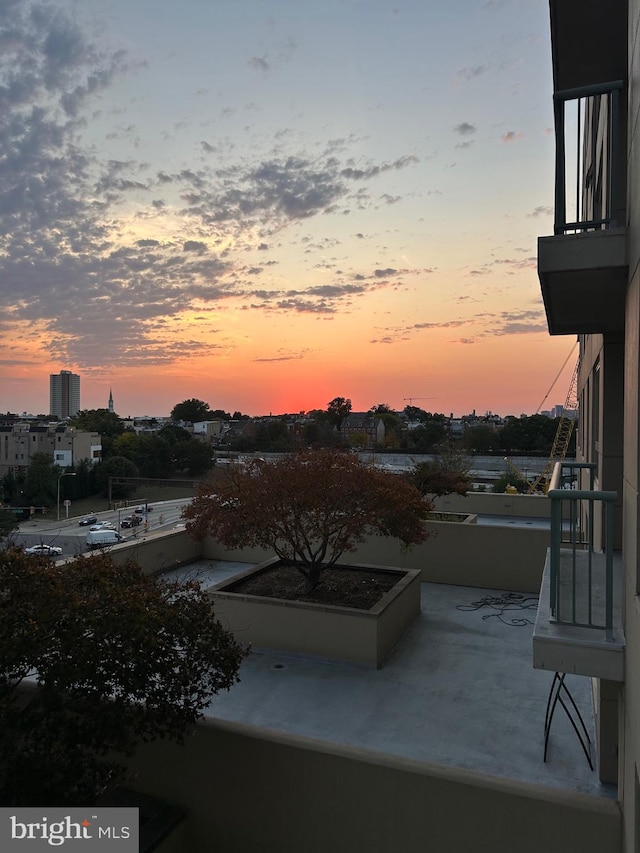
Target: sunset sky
[{"x": 266, "y": 204}]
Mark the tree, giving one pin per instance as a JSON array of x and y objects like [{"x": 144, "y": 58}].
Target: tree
[
  {"x": 513, "y": 479},
  {"x": 151, "y": 454},
  {"x": 84, "y": 483},
  {"x": 319, "y": 433},
  {"x": 431, "y": 432},
  {"x": 102, "y": 421},
  {"x": 309, "y": 508},
  {"x": 191, "y": 411},
  {"x": 446, "y": 474},
  {"x": 11, "y": 486},
  {"x": 219, "y": 415},
  {"x": 41, "y": 482},
  {"x": 8, "y": 523},
  {"x": 273, "y": 436},
  {"x": 528, "y": 433},
  {"x": 119, "y": 658},
  {"x": 337, "y": 410},
  {"x": 172, "y": 433},
  {"x": 481, "y": 439},
  {"x": 193, "y": 456},
  {"x": 415, "y": 413},
  {"x": 392, "y": 424},
  {"x": 116, "y": 466}
]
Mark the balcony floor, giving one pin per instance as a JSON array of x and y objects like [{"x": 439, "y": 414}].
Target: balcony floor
[{"x": 458, "y": 691}]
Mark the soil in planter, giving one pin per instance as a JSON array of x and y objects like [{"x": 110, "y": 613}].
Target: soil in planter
[
  {"x": 341, "y": 586},
  {"x": 456, "y": 517}
]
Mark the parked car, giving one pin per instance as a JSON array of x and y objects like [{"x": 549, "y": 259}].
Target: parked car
[
  {"x": 45, "y": 550},
  {"x": 103, "y": 538},
  {"x": 88, "y": 519}
]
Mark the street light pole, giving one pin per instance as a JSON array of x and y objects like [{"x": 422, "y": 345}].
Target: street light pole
[{"x": 66, "y": 474}]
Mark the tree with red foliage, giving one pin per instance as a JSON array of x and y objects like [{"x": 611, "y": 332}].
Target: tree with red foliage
[{"x": 310, "y": 508}]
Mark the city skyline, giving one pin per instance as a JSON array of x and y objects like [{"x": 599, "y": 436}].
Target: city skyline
[
  {"x": 266, "y": 206},
  {"x": 552, "y": 410}
]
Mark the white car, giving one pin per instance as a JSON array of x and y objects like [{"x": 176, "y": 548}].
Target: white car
[
  {"x": 45, "y": 550},
  {"x": 103, "y": 525}
]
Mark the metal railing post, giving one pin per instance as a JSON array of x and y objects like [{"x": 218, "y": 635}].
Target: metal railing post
[{"x": 574, "y": 559}]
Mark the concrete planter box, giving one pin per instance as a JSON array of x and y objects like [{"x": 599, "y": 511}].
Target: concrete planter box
[
  {"x": 340, "y": 633},
  {"x": 443, "y": 517}
]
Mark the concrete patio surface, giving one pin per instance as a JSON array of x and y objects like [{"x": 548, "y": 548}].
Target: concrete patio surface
[{"x": 459, "y": 690}]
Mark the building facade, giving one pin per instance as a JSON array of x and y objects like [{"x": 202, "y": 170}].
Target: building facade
[
  {"x": 589, "y": 272},
  {"x": 66, "y": 445},
  {"x": 64, "y": 394}
]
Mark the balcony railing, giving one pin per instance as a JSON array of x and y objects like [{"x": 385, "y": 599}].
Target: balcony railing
[
  {"x": 581, "y": 555},
  {"x": 591, "y": 170}
]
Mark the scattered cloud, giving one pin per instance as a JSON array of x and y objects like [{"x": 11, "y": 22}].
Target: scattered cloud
[
  {"x": 486, "y": 324},
  {"x": 270, "y": 359},
  {"x": 373, "y": 171},
  {"x": 471, "y": 72},
  {"x": 104, "y": 258},
  {"x": 259, "y": 63},
  {"x": 542, "y": 210},
  {"x": 69, "y": 242},
  {"x": 194, "y": 246}
]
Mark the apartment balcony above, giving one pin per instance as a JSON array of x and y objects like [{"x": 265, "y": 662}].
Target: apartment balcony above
[
  {"x": 579, "y": 623},
  {"x": 588, "y": 41},
  {"x": 583, "y": 267},
  {"x": 583, "y": 279}
]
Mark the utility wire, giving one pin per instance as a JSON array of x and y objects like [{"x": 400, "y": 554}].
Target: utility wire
[{"x": 557, "y": 377}]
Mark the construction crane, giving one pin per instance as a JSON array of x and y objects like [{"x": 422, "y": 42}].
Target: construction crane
[
  {"x": 411, "y": 399},
  {"x": 561, "y": 441},
  {"x": 563, "y": 435}
]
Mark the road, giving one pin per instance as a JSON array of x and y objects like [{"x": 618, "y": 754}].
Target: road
[{"x": 71, "y": 536}]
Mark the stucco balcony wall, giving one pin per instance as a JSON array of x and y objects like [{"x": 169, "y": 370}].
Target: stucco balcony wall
[
  {"x": 494, "y": 556},
  {"x": 248, "y": 789}
]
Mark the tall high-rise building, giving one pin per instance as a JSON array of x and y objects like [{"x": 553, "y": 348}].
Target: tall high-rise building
[{"x": 64, "y": 394}]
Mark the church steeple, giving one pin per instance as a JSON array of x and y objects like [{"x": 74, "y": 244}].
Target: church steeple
[{"x": 110, "y": 400}]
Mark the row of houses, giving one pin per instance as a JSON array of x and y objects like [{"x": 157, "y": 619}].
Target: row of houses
[
  {"x": 67, "y": 446},
  {"x": 22, "y": 436}
]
